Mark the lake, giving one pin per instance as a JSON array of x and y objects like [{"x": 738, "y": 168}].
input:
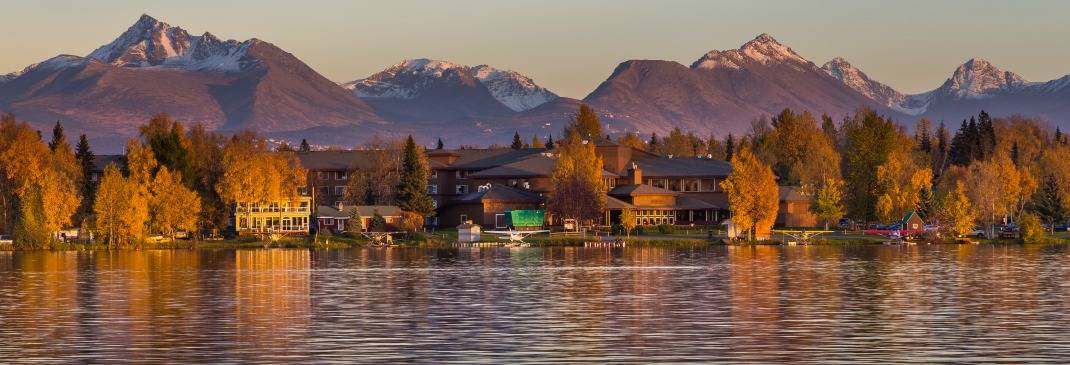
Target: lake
[{"x": 817, "y": 304}]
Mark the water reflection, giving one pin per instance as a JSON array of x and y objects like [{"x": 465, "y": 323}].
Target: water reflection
[{"x": 764, "y": 304}]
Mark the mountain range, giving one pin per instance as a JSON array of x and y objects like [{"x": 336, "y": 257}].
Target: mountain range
[{"x": 231, "y": 85}]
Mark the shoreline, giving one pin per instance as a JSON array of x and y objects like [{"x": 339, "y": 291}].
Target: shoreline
[{"x": 338, "y": 242}]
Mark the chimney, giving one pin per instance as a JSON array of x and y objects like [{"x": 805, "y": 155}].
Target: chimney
[
  {"x": 636, "y": 174},
  {"x": 340, "y": 204}
]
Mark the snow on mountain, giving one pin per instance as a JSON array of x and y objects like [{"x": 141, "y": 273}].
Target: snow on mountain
[
  {"x": 516, "y": 91},
  {"x": 763, "y": 49},
  {"x": 404, "y": 80},
  {"x": 854, "y": 78},
  {"x": 150, "y": 42},
  {"x": 978, "y": 79},
  {"x": 409, "y": 79},
  {"x": 53, "y": 63}
]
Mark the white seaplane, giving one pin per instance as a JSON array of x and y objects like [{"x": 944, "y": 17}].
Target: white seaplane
[
  {"x": 516, "y": 236},
  {"x": 802, "y": 236}
]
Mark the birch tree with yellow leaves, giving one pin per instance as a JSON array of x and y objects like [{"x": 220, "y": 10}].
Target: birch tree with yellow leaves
[
  {"x": 253, "y": 173},
  {"x": 578, "y": 190},
  {"x": 173, "y": 207},
  {"x": 753, "y": 195}
]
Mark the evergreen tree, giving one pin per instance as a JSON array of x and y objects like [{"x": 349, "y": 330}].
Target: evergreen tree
[
  {"x": 729, "y": 147},
  {"x": 58, "y": 138},
  {"x": 166, "y": 138},
  {"x": 828, "y": 127},
  {"x": 550, "y": 141},
  {"x": 1048, "y": 201},
  {"x": 304, "y": 146},
  {"x": 85, "y": 158},
  {"x": 1015, "y": 153},
  {"x": 961, "y": 152},
  {"x": 439, "y": 146},
  {"x": 517, "y": 143},
  {"x": 654, "y": 143},
  {"x": 378, "y": 223},
  {"x": 923, "y": 136},
  {"x": 925, "y": 202},
  {"x": 986, "y": 136},
  {"x": 1058, "y": 135},
  {"x": 412, "y": 187}
]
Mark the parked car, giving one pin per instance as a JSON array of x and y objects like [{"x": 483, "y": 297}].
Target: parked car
[
  {"x": 845, "y": 223},
  {"x": 1008, "y": 232},
  {"x": 978, "y": 232}
]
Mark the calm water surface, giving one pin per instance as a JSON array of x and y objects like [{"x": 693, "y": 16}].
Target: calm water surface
[{"x": 821, "y": 304}]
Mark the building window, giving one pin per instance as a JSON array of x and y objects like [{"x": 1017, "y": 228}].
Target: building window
[
  {"x": 462, "y": 189},
  {"x": 658, "y": 183},
  {"x": 328, "y": 221},
  {"x": 339, "y": 175},
  {"x": 434, "y": 204},
  {"x": 461, "y": 174},
  {"x": 434, "y": 174},
  {"x": 691, "y": 185},
  {"x": 432, "y": 189},
  {"x": 322, "y": 175},
  {"x": 339, "y": 190},
  {"x": 499, "y": 221},
  {"x": 464, "y": 218}
]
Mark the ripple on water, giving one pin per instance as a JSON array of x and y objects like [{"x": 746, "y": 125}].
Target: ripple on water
[{"x": 821, "y": 304}]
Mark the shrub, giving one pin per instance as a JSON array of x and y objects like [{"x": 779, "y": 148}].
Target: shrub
[
  {"x": 1030, "y": 229},
  {"x": 666, "y": 229}
]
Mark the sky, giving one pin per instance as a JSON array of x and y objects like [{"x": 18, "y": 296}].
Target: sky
[{"x": 571, "y": 46}]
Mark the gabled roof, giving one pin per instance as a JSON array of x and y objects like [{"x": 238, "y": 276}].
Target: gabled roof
[
  {"x": 911, "y": 214},
  {"x": 614, "y": 203},
  {"x": 791, "y": 194},
  {"x": 330, "y": 211},
  {"x": 637, "y": 190},
  {"x": 538, "y": 165},
  {"x": 480, "y": 159},
  {"x": 661, "y": 166},
  {"x": 503, "y": 193}
]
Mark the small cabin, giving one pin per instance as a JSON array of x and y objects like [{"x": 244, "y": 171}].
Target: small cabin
[{"x": 912, "y": 221}]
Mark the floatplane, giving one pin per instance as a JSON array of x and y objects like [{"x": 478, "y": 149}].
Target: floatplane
[
  {"x": 801, "y": 236},
  {"x": 516, "y": 237}
]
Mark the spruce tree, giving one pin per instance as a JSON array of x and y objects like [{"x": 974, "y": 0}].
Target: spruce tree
[
  {"x": 86, "y": 160},
  {"x": 517, "y": 143},
  {"x": 439, "y": 146},
  {"x": 1048, "y": 201},
  {"x": 412, "y": 186},
  {"x": 729, "y": 147},
  {"x": 550, "y": 141},
  {"x": 58, "y": 138},
  {"x": 304, "y": 146},
  {"x": 1058, "y": 135},
  {"x": 1014, "y": 153},
  {"x": 653, "y": 145}
]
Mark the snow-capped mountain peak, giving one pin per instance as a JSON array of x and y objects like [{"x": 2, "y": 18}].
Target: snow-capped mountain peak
[
  {"x": 152, "y": 43},
  {"x": 977, "y": 79},
  {"x": 763, "y": 49},
  {"x": 408, "y": 79},
  {"x": 61, "y": 61},
  {"x": 516, "y": 91},
  {"x": 854, "y": 78}
]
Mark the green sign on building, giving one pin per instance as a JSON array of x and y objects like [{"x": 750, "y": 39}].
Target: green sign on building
[{"x": 526, "y": 218}]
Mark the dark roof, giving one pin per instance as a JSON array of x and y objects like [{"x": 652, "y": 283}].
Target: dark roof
[
  {"x": 331, "y": 211},
  {"x": 686, "y": 202},
  {"x": 614, "y": 203},
  {"x": 335, "y": 160},
  {"x": 481, "y": 159},
  {"x": 643, "y": 189},
  {"x": 100, "y": 162},
  {"x": 660, "y": 166},
  {"x": 791, "y": 194},
  {"x": 502, "y": 193},
  {"x": 537, "y": 165}
]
